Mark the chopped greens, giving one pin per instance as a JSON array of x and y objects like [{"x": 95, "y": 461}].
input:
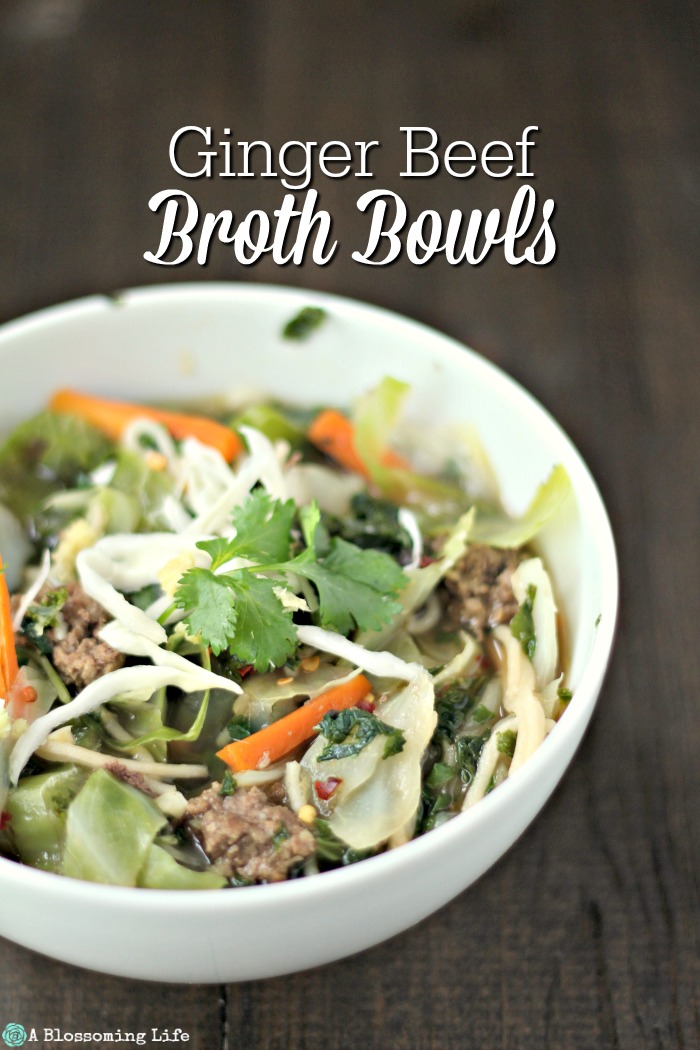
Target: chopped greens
[
  {"x": 455, "y": 703},
  {"x": 522, "y": 625},
  {"x": 41, "y": 616},
  {"x": 371, "y": 523},
  {"x": 505, "y": 742},
  {"x": 228, "y": 783},
  {"x": 88, "y": 732},
  {"x": 332, "y": 850},
  {"x": 439, "y": 775},
  {"x": 238, "y": 728},
  {"x": 304, "y": 323},
  {"x": 468, "y": 751},
  {"x": 482, "y": 714},
  {"x": 351, "y": 730},
  {"x": 280, "y": 836},
  {"x": 464, "y": 725}
]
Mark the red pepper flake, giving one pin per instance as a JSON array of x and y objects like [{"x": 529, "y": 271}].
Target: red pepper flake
[
  {"x": 365, "y": 705},
  {"x": 325, "y": 788},
  {"x": 246, "y": 669},
  {"x": 28, "y": 695},
  {"x": 5, "y": 819},
  {"x": 427, "y": 560}
]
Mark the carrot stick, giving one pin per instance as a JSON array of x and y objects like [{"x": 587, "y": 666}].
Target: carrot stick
[
  {"x": 8, "y": 657},
  {"x": 112, "y": 417},
  {"x": 334, "y": 434},
  {"x": 275, "y": 741}
]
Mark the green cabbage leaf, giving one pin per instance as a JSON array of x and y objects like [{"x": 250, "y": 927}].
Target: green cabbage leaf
[{"x": 498, "y": 530}]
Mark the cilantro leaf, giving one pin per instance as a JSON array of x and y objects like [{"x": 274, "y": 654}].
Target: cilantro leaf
[
  {"x": 370, "y": 567},
  {"x": 211, "y": 607},
  {"x": 350, "y": 730},
  {"x": 263, "y": 532},
  {"x": 354, "y": 587},
  {"x": 394, "y": 743},
  {"x": 264, "y": 634},
  {"x": 522, "y": 625}
]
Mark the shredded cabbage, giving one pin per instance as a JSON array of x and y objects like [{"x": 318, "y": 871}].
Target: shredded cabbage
[
  {"x": 382, "y": 664},
  {"x": 498, "y": 530},
  {"x": 141, "y": 679},
  {"x": 99, "y": 848}
]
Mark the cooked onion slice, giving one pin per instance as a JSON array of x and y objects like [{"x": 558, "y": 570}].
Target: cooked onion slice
[
  {"x": 532, "y": 573},
  {"x": 519, "y": 698},
  {"x": 378, "y": 797},
  {"x": 60, "y": 748}
]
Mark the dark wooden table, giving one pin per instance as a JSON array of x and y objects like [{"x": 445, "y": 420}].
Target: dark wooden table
[{"x": 586, "y": 934}]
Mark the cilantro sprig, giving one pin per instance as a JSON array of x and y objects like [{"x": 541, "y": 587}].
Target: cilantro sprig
[{"x": 241, "y": 610}]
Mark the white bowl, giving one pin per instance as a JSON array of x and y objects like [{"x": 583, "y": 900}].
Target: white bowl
[{"x": 186, "y": 340}]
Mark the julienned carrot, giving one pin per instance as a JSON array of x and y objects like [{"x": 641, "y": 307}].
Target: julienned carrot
[
  {"x": 275, "y": 741},
  {"x": 334, "y": 434},
  {"x": 8, "y": 657},
  {"x": 112, "y": 417}
]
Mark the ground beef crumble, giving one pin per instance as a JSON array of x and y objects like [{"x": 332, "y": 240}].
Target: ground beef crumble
[
  {"x": 247, "y": 836},
  {"x": 80, "y": 657},
  {"x": 478, "y": 590}
]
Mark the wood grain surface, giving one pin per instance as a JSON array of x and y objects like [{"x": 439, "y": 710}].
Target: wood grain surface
[{"x": 586, "y": 934}]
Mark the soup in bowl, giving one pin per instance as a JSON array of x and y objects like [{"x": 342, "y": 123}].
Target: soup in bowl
[{"x": 295, "y": 639}]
